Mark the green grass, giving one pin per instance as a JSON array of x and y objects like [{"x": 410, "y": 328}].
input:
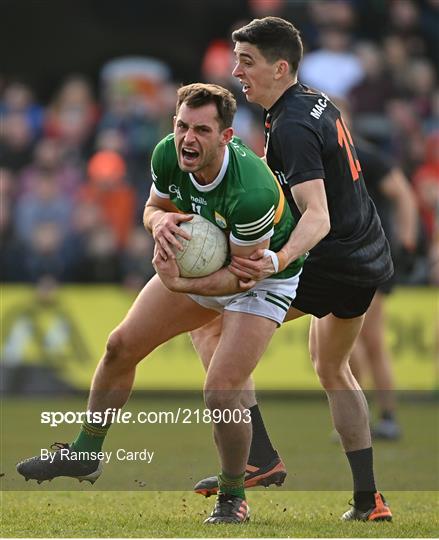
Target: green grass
[
  {"x": 180, "y": 514},
  {"x": 126, "y": 501}
]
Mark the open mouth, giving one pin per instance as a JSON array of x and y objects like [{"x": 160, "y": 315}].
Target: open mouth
[
  {"x": 245, "y": 87},
  {"x": 189, "y": 154}
]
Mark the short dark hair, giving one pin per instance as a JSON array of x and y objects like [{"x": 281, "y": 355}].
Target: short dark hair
[
  {"x": 276, "y": 38},
  {"x": 198, "y": 94}
]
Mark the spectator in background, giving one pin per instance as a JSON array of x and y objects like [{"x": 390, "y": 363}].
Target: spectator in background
[
  {"x": 43, "y": 255},
  {"x": 16, "y": 141},
  {"x": 101, "y": 261},
  {"x": 138, "y": 96},
  {"x": 19, "y": 98},
  {"x": 44, "y": 203},
  {"x": 8, "y": 187},
  {"x": 112, "y": 139},
  {"x": 404, "y": 20},
  {"x": 429, "y": 20},
  {"x": 320, "y": 15},
  {"x": 86, "y": 218},
  {"x": 48, "y": 159},
  {"x": 216, "y": 67},
  {"x": 426, "y": 185},
  {"x": 366, "y": 101},
  {"x": 407, "y": 139},
  {"x": 420, "y": 85},
  {"x": 12, "y": 248},
  {"x": 72, "y": 117},
  {"x": 107, "y": 189},
  {"x": 136, "y": 261},
  {"x": 431, "y": 124},
  {"x": 333, "y": 68},
  {"x": 396, "y": 57},
  {"x": 364, "y": 97}
]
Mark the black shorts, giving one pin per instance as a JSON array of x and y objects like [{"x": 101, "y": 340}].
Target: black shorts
[
  {"x": 320, "y": 296},
  {"x": 387, "y": 287}
]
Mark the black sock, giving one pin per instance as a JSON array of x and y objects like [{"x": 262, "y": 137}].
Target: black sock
[
  {"x": 361, "y": 462},
  {"x": 261, "y": 449}
]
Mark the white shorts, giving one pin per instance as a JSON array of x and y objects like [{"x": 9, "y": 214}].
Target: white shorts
[{"x": 269, "y": 298}]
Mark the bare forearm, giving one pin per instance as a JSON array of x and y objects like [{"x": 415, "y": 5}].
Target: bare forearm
[
  {"x": 151, "y": 215},
  {"x": 310, "y": 229},
  {"x": 219, "y": 283}
]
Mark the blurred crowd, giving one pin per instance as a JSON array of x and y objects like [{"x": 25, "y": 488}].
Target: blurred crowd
[{"x": 75, "y": 171}]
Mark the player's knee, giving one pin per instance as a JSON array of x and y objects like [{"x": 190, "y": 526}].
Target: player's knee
[
  {"x": 114, "y": 346},
  {"x": 221, "y": 400},
  {"x": 118, "y": 350},
  {"x": 330, "y": 374},
  {"x": 221, "y": 395}
]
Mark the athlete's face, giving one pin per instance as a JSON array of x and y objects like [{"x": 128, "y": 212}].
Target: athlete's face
[
  {"x": 199, "y": 140},
  {"x": 257, "y": 76}
]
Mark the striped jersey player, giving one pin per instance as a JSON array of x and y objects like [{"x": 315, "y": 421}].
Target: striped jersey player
[{"x": 244, "y": 200}]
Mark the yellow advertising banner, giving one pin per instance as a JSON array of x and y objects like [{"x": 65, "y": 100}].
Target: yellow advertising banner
[{"x": 65, "y": 336}]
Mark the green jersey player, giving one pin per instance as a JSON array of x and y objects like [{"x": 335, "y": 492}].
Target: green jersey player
[
  {"x": 244, "y": 200},
  {"x": 200, "y": 168}
]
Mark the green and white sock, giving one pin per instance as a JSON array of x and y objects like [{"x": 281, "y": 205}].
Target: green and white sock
[
  {"x": 90, "y": 438},
  {"x": 231, "y": 485}
]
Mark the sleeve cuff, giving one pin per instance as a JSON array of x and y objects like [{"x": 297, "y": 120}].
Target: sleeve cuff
[
  {"x": 159, "y": 193},
  {"x": 239, "y": 242},
  {"x": 305, "y": 176}
]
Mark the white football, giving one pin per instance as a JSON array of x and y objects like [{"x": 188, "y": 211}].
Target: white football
[{"x": 205, "y": 252}]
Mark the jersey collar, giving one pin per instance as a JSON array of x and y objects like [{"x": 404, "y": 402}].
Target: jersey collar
[
  {"x": 290, "y": 90},
  {"x": 217, "y": 181}
]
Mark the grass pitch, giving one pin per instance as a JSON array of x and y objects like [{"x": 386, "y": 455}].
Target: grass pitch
[
  {"x": 180, "y": 514},
  {"x": 130, "y": 499}
]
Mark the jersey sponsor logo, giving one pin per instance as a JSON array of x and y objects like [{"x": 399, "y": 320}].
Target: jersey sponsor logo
[
  {"x": 221, "y": 222},
  {"x": 320, "y": 107},
  {"x": 256, "y": 227},
  {"x": 199, "y": 200},
  {"x": 175, "y": 190}
]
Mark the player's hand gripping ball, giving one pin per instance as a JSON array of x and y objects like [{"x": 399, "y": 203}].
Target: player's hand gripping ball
[{"x": 205, "y": 252}]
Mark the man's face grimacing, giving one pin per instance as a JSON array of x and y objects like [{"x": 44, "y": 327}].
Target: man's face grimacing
[
  {"x": 199, "y": 140},
  {"x": 256, "y": 74}
]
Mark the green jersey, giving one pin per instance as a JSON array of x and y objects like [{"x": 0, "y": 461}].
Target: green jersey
[{"x": 245, "y": 199}]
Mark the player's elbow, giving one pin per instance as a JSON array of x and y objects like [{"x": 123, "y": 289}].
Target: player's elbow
[{"x": 326, "y": 225}]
